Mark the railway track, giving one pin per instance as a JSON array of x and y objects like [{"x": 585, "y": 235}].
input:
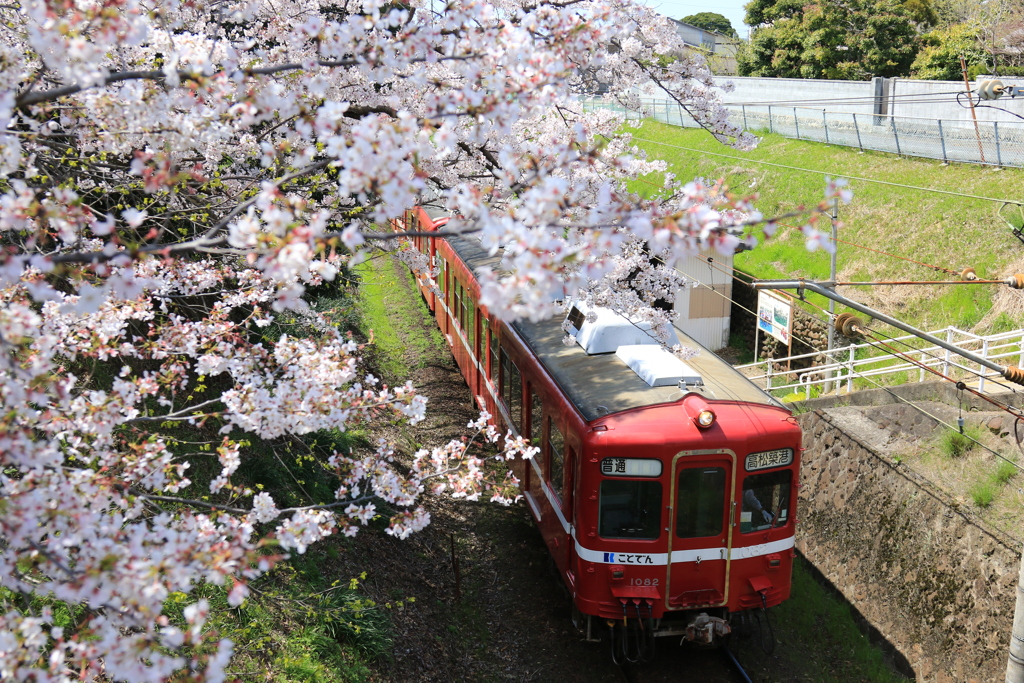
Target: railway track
[{"x": 677, "y": 663}]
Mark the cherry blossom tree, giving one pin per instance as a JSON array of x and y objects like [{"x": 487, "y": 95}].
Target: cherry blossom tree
[{"x": 175, "y": 176}]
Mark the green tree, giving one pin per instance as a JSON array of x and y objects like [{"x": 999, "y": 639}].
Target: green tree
[
  {"x": 711, "y": 21},
  {"x": 940, "y": 58},
  {"x": 842, "y": 39}
]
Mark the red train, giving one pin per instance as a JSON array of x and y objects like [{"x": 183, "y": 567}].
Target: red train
[{"x": 665, "y": 491}]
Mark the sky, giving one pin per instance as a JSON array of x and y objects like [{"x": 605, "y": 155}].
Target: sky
[{"x": 677, "y": 9}]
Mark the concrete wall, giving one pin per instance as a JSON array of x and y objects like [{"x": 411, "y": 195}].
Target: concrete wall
[
  {"x": 922, "y": 99},
  {"x": 935, "y": 582},
  {"x": 895, "y": 96},
  {"x": 801, "y": 92}
]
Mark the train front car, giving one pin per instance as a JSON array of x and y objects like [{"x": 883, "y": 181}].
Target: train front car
[{"x": 685, "y": 491}]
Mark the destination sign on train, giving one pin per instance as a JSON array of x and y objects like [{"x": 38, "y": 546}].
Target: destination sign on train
[
  {"x": 631, "y": 467},
  {"x": 776, "y": 458}
]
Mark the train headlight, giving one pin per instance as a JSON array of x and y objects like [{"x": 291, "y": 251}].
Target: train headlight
[{"x": 705, "y": 419}]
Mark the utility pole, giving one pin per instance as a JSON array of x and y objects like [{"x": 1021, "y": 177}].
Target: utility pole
[
  {"x": 1015, "y": 665},
  {"x": 974, "y": 115}
]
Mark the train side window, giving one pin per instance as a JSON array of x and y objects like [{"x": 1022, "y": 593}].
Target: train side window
[
  {"x": 471, "y": 325},
  {"x": 444, "y": 279},
  {"x": 512, "y": 390},
  {"x": 556, "y": 447},
  {"x": 482, "y": 348},
  {"x": 630, "y": 509},
  {"x": 765, "y": 501},
  {"x": 700, "y": 502},
  {"x": 536, "y": 417},
  {"x": 462, "y": 303},
  {"x": 495, "y": 367},
  {"x": 457, "y": 302}
]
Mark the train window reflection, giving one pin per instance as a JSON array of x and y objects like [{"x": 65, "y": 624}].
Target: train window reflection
[
  {"x": 556, "y": 444},
  {"x": 630, "y": 509},
  {"x": 536, "y": 414},
  {"x": 765, "y": 501},
  {"x": 492, "y": 344},
  {"x": 700, "y": 502},
  {"x": 512, "y": 390}
]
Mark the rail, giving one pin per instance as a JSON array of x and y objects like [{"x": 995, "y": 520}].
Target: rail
[
  {"x": 992, "y": 143},
  {"x": 842, "y": 366}
]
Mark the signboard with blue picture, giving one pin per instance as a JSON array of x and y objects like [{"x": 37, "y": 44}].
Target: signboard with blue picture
[{"x": 774, "y": 316}]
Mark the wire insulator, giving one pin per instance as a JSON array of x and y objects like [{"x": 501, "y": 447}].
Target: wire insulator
[
  {"x": 968, "y": 274},
  {"x": 1015, "y": 281},
  {"x": 848, "y": 324},
  {"x": 1013, "y": 373}
]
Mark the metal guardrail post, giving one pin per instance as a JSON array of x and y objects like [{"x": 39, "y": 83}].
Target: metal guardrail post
[
  {"x": 768, "y": 375},
  {"x": 857, "y": 128},
  {"x": 824, "y": 120},
  {"x": 849, "y": 368},
  {"x": 981, "y": 370},
  {"x": 895, "y": 134},
  {"x": 771, "y": 127},
  {"x": 999, "y": 153},
  {"x": 945, "y": 360},
  {"x": 942, "y": 139},
  {"x": 796, "y": 123},
  {"x": 745, "y": 118}
]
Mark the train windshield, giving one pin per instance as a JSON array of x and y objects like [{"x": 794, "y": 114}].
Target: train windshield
[
  {"x": 765, "y": 501},
  {"x": 630, "y": 509},
  {"x": 700, "y": 504}
]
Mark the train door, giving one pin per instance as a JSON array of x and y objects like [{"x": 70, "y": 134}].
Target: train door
[{"x": 701, "y": 508}]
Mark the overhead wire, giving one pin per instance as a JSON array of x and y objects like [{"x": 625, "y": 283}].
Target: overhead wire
[{"x": 902, "y": 258}]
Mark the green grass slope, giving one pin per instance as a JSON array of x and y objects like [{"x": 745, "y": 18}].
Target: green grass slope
[{"x": 951, "y": 231}]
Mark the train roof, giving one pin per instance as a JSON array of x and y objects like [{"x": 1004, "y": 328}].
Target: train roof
[{"x": 602, "y": 384}]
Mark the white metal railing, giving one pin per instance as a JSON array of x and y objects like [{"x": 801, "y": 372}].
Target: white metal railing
[{"x": 842, "y": 365}]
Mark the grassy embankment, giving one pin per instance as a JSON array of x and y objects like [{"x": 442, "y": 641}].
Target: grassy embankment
[{"x": 948, "y": 231}]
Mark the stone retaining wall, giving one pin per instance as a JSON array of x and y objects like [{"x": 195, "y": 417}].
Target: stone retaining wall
[{"x": 933, "y": 580}]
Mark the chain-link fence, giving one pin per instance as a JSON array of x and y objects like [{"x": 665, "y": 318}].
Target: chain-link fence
[{"x": 986, "y": 142}]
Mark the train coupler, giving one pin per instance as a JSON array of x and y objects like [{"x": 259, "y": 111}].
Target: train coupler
[{"x": 703, "y": 629}]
